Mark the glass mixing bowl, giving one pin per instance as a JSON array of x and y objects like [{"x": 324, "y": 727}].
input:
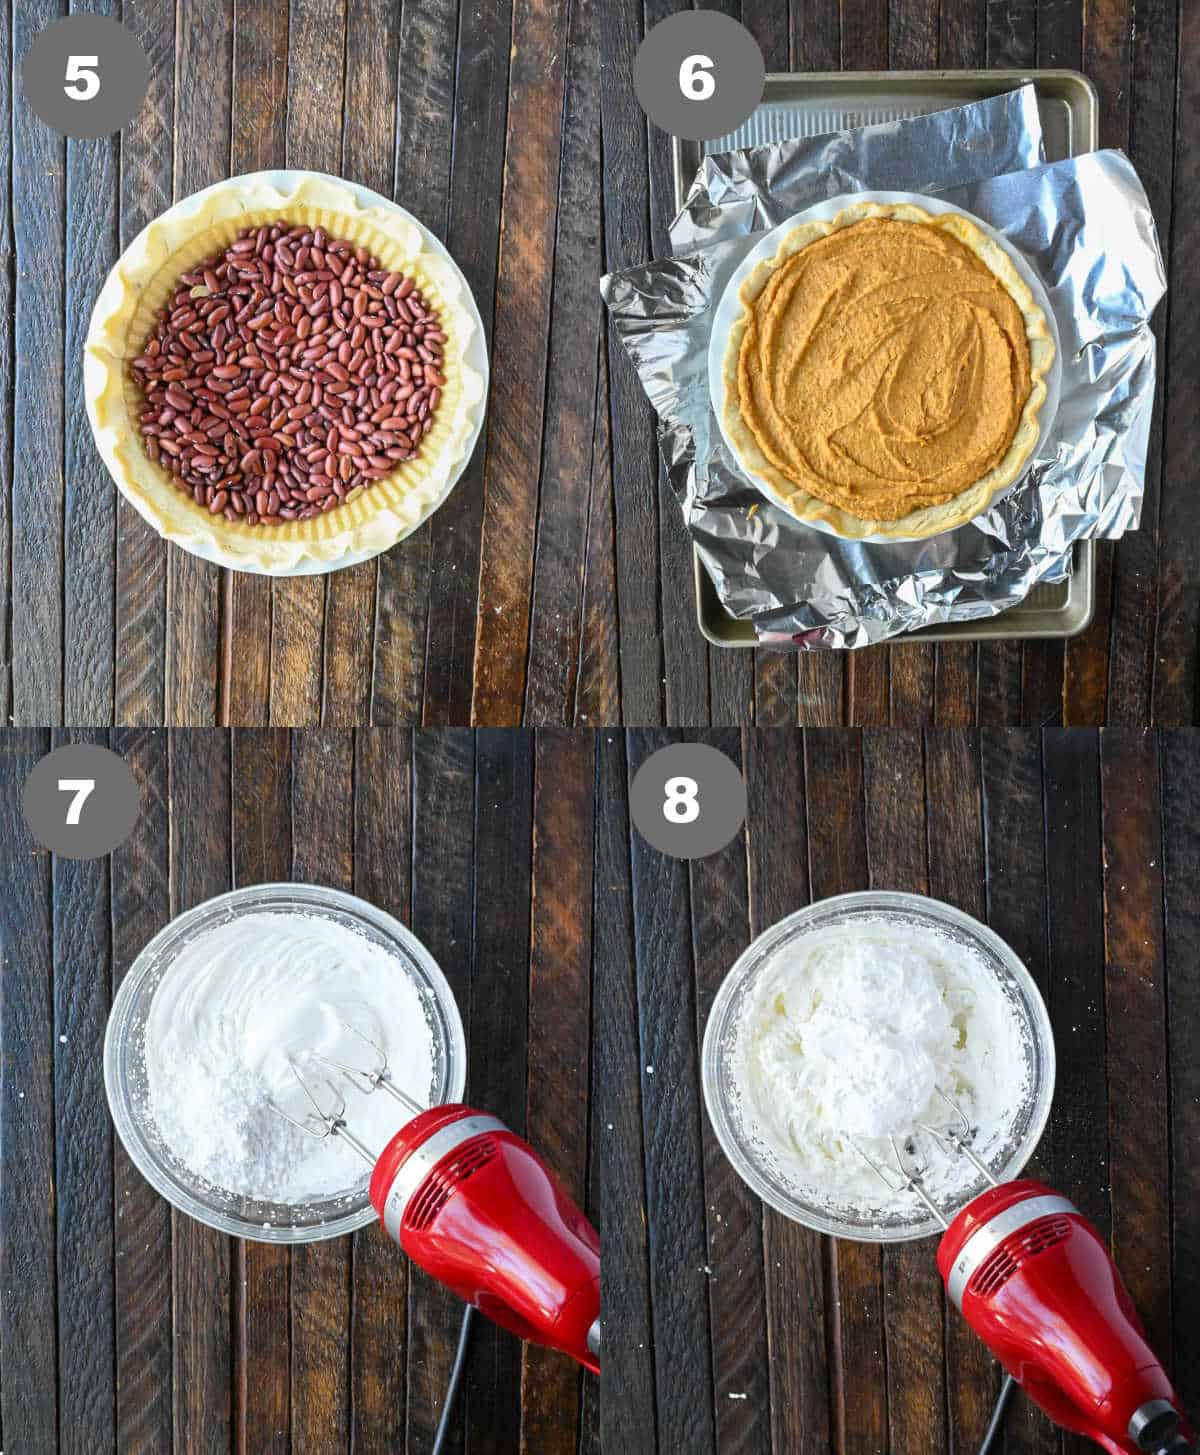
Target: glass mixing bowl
[
  {"x": 721, "y": 1097},
  {"x": 125, "y": 1069}
]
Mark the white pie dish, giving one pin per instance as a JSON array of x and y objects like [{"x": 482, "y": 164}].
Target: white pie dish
[{"x": 206, "y": 221}]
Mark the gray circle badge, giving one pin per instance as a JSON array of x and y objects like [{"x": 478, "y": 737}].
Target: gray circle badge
[
  {"x": 698, "y": 74},
  {"x": 81, "y": 801},
  {"x": 688, "y": 800},
  {"x": 86, "y": 75}
]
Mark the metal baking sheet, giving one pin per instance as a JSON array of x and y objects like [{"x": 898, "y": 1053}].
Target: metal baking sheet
[{"x": 817, "y": 102}]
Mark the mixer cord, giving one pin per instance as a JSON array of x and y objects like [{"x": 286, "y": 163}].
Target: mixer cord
[
  {"x": 991, "y": 1439},
  {"x": 456, "y": 1374}
]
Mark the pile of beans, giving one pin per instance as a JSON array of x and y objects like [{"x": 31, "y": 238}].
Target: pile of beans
[{"x": 287, "y": 373}]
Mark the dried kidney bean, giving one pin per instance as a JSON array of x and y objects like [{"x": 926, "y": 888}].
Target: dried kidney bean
[{"x": 286, "y": 373}]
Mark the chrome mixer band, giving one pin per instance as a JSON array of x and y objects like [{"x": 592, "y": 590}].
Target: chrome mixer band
[
  {"x": 420, "y": 1163},
  {"x": 987, "y": 1238}
]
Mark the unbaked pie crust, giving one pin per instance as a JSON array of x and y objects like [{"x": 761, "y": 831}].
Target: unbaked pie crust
[
  {"x": 144, "y": 278},
  {"x": 927, "y": 520}
]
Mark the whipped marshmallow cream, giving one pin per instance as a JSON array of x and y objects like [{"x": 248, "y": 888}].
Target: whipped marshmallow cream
[{"x": 847, "y": 1037}]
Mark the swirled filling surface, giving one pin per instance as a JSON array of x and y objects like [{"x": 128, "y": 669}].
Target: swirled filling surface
[{"x": 884, "y": 368}]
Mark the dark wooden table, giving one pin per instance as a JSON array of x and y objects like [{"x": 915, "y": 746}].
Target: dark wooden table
[
  {"x": 1138, "y": 662},
  {"x": 555, "y": 584},
  {"x": 125, "y": 1327},
  {"x": 742, "y": 1331},
  {"x": 482, "y": 118}
]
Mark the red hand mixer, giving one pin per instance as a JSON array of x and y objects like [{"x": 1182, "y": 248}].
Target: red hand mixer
[
  {"x": 1035, "y": 1281},
  {"x": 476, "y": 1207}
]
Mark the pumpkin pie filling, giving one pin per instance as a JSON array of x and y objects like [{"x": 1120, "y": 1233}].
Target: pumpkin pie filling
[{"x": 885, "y": 368}]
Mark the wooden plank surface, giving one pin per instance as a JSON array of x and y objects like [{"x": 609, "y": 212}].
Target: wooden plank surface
[
  {"x": 798, "y": 1267},
  {"x": 674, "y": 1208},
  {"x": 628, "y": 1341},
  {"x": 527, "y": 250},
  {"x": 35, "y": 397},
  {"x": 144, "y": 1325},
  {"x": 558, "y": 625},
  {"x": 28, "y": 1251},
  {"x": 955, "y": 833},
  {"x": 368, "y": 145},
  {"x": 82, "y": 947},
  {"x": 383, "y": 875},
  {"x": 1180, "y": 760},
  {"x": 200, "y": 142},
  {"x": 321, "y": 1288},
  {"x": 685, "y": 659},
  {"x": 1146, "y": 583},
  {"x": 498, "y": 1052},
  {"x": 1178, "y": 606},
  {"x": 583, "y": 958},
  {"x": 201, "y": 1259},
  {"x": 554, "y": 585},
  {"x": 140, "y": 639},
  {"x": 484, "y": 121},
  {"x": 89, "y": 505},
  {"x": 260, "y": 780},
  {"x": 258, "y": 142},
  {"x": 1015, "y": 889},
  {"x": 126, "y": 1327},
  {"x": 8, "y": 344},
  {"x": 472, "y": 235},
  {"x": 626, "y": 232},
  {"x": 560, "y": 1004},
  {"x": 426, "y": 79},
  {"x": 1080, "y": 849},
  {"x": 733, "y": 1265},
  {"x": 913, "y": 1306},
  {"x": 833, "y": 783}
]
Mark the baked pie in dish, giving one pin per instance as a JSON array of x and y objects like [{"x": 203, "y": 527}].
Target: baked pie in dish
[{"x": 886, "y": 371}]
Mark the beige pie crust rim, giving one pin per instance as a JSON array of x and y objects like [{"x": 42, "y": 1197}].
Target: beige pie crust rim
[
  {"x": 144, "y": 277},
  {"x": 929, "y": 520}
]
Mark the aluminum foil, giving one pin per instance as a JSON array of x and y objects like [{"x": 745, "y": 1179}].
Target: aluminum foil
[
  {"x": 740, "y": 192},
  {"x": 1085, "y": 225}
]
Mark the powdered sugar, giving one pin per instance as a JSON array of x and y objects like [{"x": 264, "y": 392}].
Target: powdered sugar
[{"x": 241, "y": 1003}]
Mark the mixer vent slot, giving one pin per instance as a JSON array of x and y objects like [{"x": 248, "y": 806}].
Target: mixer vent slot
[
  {"x": 995, "y": 1270},
  {"x": 436, "y": 1192}
]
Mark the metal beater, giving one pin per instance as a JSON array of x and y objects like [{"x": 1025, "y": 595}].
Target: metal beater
[
  {"x": 330, "y": 1121},
  {"x": 952, "y": 1139}
]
